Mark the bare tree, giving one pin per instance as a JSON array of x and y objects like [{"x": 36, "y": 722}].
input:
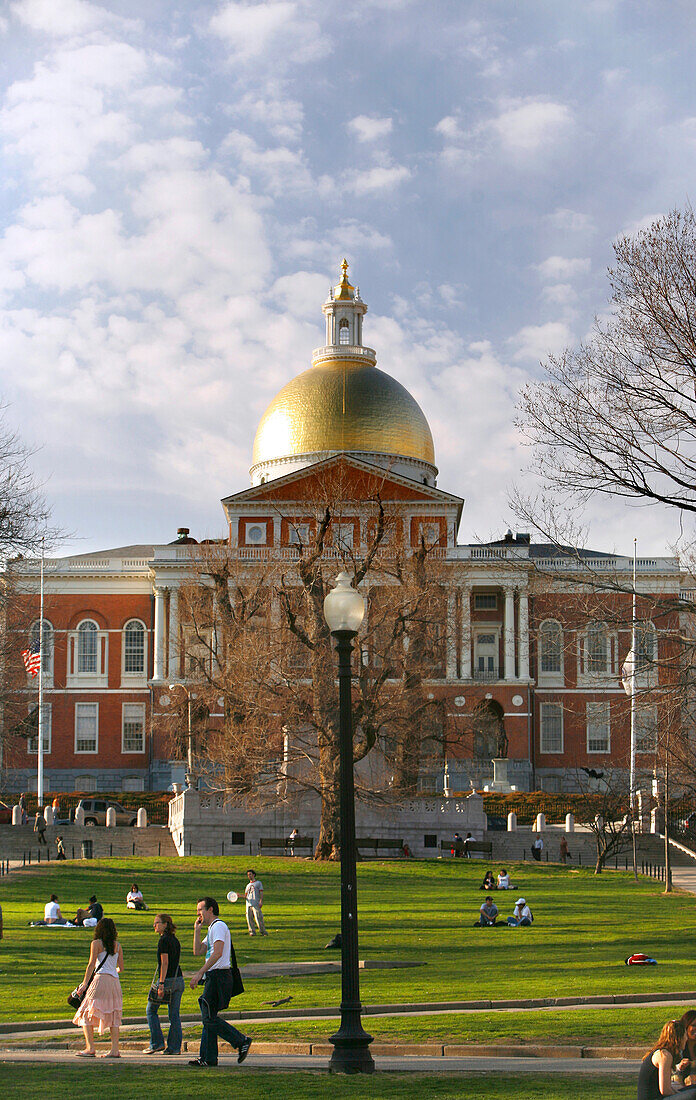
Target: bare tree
[
  {"x": 617, "y": 415},
  {"x": 270, "y": 658}
]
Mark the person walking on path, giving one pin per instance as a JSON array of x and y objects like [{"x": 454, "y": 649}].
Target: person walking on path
[
  {"x": 563, "y": 849},
  {"x": 537, "y": 848},
  {"x": 169, "y": 986},
  {"x": 254, "y": 902},
  {"x": 40, "y": 827},
  {"x": 103, "y": 1003},
  {"x": 60, "y": 848},
  {"x": 216, "y": 975}
]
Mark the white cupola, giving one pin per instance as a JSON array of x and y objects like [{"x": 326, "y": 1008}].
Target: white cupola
[{"x": 344, "y": 311}]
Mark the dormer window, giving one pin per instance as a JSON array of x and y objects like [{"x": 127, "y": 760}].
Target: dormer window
[{"x": 344, "y": 332}]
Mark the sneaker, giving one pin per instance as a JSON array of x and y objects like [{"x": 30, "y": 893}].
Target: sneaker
[
  {"x": 175, "y": 1053},
  {"x": 152, "y": 1050},
  {"x": 244, "y": 1050},
  {"x": 199, "y": 1062}
]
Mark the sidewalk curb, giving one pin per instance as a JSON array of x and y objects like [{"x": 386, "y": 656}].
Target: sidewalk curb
[{"x": 29, "y": 1026}]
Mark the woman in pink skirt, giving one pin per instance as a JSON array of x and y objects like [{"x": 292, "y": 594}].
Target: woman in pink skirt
[{"x": 103, "y": 1005}]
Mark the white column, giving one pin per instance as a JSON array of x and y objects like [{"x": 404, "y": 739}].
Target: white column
[
  {"x": 509, "y": 634},
  {"x": 173, "y": 640},
  {"x": 465, "y": 664},
  {"x": 159, "y": 634},
  {"x": 524, "y": 636},
  {"x": 451, "y": 670}
]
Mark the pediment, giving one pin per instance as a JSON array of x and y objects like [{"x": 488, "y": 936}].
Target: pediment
[{"x": 346, "y": 476}]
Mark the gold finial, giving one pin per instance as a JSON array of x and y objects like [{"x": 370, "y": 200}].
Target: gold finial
[{"x": 344, "y": 290}]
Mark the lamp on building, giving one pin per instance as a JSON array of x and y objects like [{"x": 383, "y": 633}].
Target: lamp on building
[
  {"x": 344, "y": 609},
  {"x": 189, "y": 746}
]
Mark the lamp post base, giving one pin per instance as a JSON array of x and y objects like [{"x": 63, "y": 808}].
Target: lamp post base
[{"x": 351, "y": 1049}]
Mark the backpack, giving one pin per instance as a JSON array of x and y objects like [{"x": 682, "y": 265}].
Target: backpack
[{"x": 639, "y": 959}]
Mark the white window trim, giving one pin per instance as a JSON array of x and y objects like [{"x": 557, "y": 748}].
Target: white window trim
[
  {"x": 48, "y": 713},
  {"x": 95, "y": 750},
  {"x": 542, "y": 750},
  {"x": 261, "y": 523},
  {"x": 134, "y": 677},
  {"x": 550, "y": 679},
  {"x": 610, "y": 673},
  {"x": 607, "y": 709},
  {"x": 124, "y": 750},
  {"x": 642, "y": 713},
  {"x": 485, "y": 628},
  {"x": 100, "y": 678}
]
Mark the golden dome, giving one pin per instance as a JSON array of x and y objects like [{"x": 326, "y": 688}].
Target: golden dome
[{"x": 343, "y": 403}]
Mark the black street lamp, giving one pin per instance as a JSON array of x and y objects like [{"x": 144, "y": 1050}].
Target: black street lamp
[{"x": 344, "y": 609}]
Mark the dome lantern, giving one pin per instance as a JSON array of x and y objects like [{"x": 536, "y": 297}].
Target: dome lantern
[{"x": 344, "y": 311}]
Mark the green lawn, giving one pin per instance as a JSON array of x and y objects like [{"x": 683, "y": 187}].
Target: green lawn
[
  {"x": 123, "y": 1082},
  {"x": 585, "y": 926}
]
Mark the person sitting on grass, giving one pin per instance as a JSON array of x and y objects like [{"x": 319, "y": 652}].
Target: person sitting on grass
[
  {"x": 89, "y": 918},
  {"x": 655, "y": 1076},
  {"x": 488, "y": 881},
  {"x": 52, "y": 914},
  {"x": 503, "y": 882},
  {"x": 134, "y": 898},
  {"x": 489, "y": 913},
  {"x": 522, "y": 915},
  {"x": 687, "y": 1063}
]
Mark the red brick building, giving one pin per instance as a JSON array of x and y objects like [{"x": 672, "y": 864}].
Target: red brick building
[{"x": 527, "y": 643}]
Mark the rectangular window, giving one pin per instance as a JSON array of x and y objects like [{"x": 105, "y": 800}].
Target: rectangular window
[
  {"x": 46, "y": 722},
  {"x": 86, "y": 727},
  {"x": 238, "y": 839},
  {"x": 344, "y": 536},
  {"x": 430, "y": 840},
  {"x": 598, "y": 735},
  {"x": 646, "y": 729},
  {"x": 551, "y": 727},
  {"x": 133, "y": 728},
  {"x": 298, "y": 534},
  {"x": 485, "y": 601},
  {"x": 596, "y": 648}
]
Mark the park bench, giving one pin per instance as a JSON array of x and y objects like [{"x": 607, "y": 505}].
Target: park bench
[
  {"x": 476, "y": 848},
  {"x": 380, "y": 845},
  {"x": 267, "y": 843}
]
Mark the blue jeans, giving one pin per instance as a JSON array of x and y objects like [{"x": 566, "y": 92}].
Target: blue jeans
[
  {"x": 174, "y": 1037},
  {"x": 215, "y": 998}
]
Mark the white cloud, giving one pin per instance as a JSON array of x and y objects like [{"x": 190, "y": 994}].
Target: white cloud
[
  {"x": 536, "y": 342},
  {"x": 571, "y": 221},
  {"x": 277, "y": 31},
  {"x": 449, "y": 128},
  {"x": 560, "y": 294},
  {"x": 63, "y": 18},
  {"x": 562, "y": 269},
  {"x": 281, "y": 170},
  {"x": 366, "y": 128},
  {"x": 377, "y": 179},
  {"x": 274, "y": 110},
  {"x": 531, "y": 125}
]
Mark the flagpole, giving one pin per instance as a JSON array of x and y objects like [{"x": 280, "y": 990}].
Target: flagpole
[
  {"x": 633, "y": 716},
  {"x": 40, "y": 775}
]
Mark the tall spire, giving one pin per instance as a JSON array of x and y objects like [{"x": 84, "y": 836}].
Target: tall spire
[{"x": 344, "y": 311}]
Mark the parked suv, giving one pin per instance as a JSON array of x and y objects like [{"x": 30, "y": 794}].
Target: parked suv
[{"x": 95, "y": 811}]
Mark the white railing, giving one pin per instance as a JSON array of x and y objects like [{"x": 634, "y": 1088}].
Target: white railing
[
  {"x": 84, "y": 565},
  {"x": 344, "y": 351}
]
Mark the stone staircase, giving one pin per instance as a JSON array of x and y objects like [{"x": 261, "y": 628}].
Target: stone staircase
[
  {"x": 516, "y": 847},
  {"x": 19, "y": 842}
]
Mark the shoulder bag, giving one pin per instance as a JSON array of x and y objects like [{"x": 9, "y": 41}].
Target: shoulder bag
[{"x": 76, "y": 998}]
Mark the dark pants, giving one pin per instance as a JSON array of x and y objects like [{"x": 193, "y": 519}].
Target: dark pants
[
  {"x": 536, "y": 854},
  {"x": 216, "y": 995}
]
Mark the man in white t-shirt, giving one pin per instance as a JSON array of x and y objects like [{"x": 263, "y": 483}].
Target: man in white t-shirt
[
  {"x": 52, "y": 914},
  {"x": 254, "y": 902},
  {"x": 537, "y": 848},
  {"x": 216, "y": 976}
]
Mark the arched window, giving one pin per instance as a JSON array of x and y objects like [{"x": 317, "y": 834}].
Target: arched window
[
  {"x": 134, "y": 648},
  {"x": 87, "y": 646},
  {"x": 343, "y": 332},
  {"x": 550, "y": 646},
  {"x": 646, "y": 646},
  {"x": 46, "y": 645}
]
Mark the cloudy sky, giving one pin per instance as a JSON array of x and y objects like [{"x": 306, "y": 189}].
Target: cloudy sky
[{"x": 181, "y": 180}]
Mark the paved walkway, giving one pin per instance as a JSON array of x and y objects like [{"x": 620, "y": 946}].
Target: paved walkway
[{"x": 585, "y": 1067}]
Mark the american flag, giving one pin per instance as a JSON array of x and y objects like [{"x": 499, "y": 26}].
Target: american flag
[{"x": 32, "y": 658}]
